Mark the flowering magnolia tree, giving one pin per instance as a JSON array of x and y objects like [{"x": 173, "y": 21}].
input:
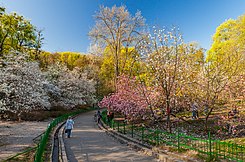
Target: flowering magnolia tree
[
  {"x": 161, "y": 87},
  {"x": 164, "y": 55},
  {"x": 133, "y": 99},
  {"x": 24, "y": 87},
  {"x": 69, "y": 88},
  {"x": 21, "y": 85}
]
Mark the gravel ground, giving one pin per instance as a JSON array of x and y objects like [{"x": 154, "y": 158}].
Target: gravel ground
[{"x": 17, "y": 136}]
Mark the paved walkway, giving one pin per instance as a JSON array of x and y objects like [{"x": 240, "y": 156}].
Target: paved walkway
[{"x": 89, "y": 144}]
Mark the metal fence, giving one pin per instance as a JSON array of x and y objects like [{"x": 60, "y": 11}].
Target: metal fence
[
  {"x": 45, "y": 137},
  {"x": 210, "y": 147}
]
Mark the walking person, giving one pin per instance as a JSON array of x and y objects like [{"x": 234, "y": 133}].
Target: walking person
[
  {"x": 194, "y": 111},
  {"x": 69, "y": 126},
  {"x": 99, "y": 116}
]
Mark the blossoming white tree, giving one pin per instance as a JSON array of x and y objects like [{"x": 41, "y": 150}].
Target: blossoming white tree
[
  {"x": 70, "y": 88},
  {"x": 24, "y": 87},
  {"x": 164, "y": 50},
  {"x": 21, "y": 85}
]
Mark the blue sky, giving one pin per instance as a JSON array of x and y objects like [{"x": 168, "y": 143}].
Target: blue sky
[{"x": 66, "y": 23}]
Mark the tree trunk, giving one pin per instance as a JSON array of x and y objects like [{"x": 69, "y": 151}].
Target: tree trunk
[
  {"x": 19, "y": 116},
  {"x": 168, "y": 114},
  {"x": 116, "y": 67},
  {"x": 206, "y": 119},
  {"x": 2, "y": 44}
]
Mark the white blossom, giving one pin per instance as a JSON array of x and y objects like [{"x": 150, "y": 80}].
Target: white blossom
[
  {"x": 73, "y": 87},
  {"x": 21, "y": 85}
]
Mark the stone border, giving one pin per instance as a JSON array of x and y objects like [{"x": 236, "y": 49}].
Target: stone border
[
  {"x": 62, "y": 150},
  {"x": 57, "y": 134}
]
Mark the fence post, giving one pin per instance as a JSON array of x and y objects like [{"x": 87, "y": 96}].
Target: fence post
[
  {"x": 232, "y": 150},
  {"x": 229, "y": 149},
  {"x": 132, "y": 132},
  {"x": 236, "y": 151},
  {"x": 158, "y": 137},
  {"x": 242, "y": 154},
  {"x": 216, "y": 148},
  {"x": 142, "y": 135},
  {"x": 178, "y": 140},
  {"x": 37, "y": 154},
  {"x": 224, "y": 150},
  {"x": 209, "y": 145},
  {"x": 118, "y": 126},
  {"x": 124, "y": 127}
]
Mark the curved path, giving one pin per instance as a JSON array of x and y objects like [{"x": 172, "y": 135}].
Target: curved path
[{"x": 89, "y": 144}]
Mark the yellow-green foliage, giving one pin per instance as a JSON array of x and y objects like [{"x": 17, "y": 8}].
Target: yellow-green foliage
[
  {"x": 227, "y": 50},
  {"x": 107, "y": 67},
  {"x": 70, "y": 59},
  {"x": 225, "y": 62},
  {"x": 16, "y": 33},
  {"x": 128, "y": 63}
]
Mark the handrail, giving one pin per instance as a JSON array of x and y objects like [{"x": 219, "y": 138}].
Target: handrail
[
  {"x": 21, "y": 153},
  {"x": 210, "y": 147},
  {"x": 44, "y": 138}
]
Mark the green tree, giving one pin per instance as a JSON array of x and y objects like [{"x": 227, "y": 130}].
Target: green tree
[
  {"x": 225, "y": 61},
  {"x": 128, "y": 65},
  {"x": 229, "y": 45},
  {"x": 17, "y": 33}
]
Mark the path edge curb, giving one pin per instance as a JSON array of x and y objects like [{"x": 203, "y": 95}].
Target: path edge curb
[{"x": 62, "y": 150}]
